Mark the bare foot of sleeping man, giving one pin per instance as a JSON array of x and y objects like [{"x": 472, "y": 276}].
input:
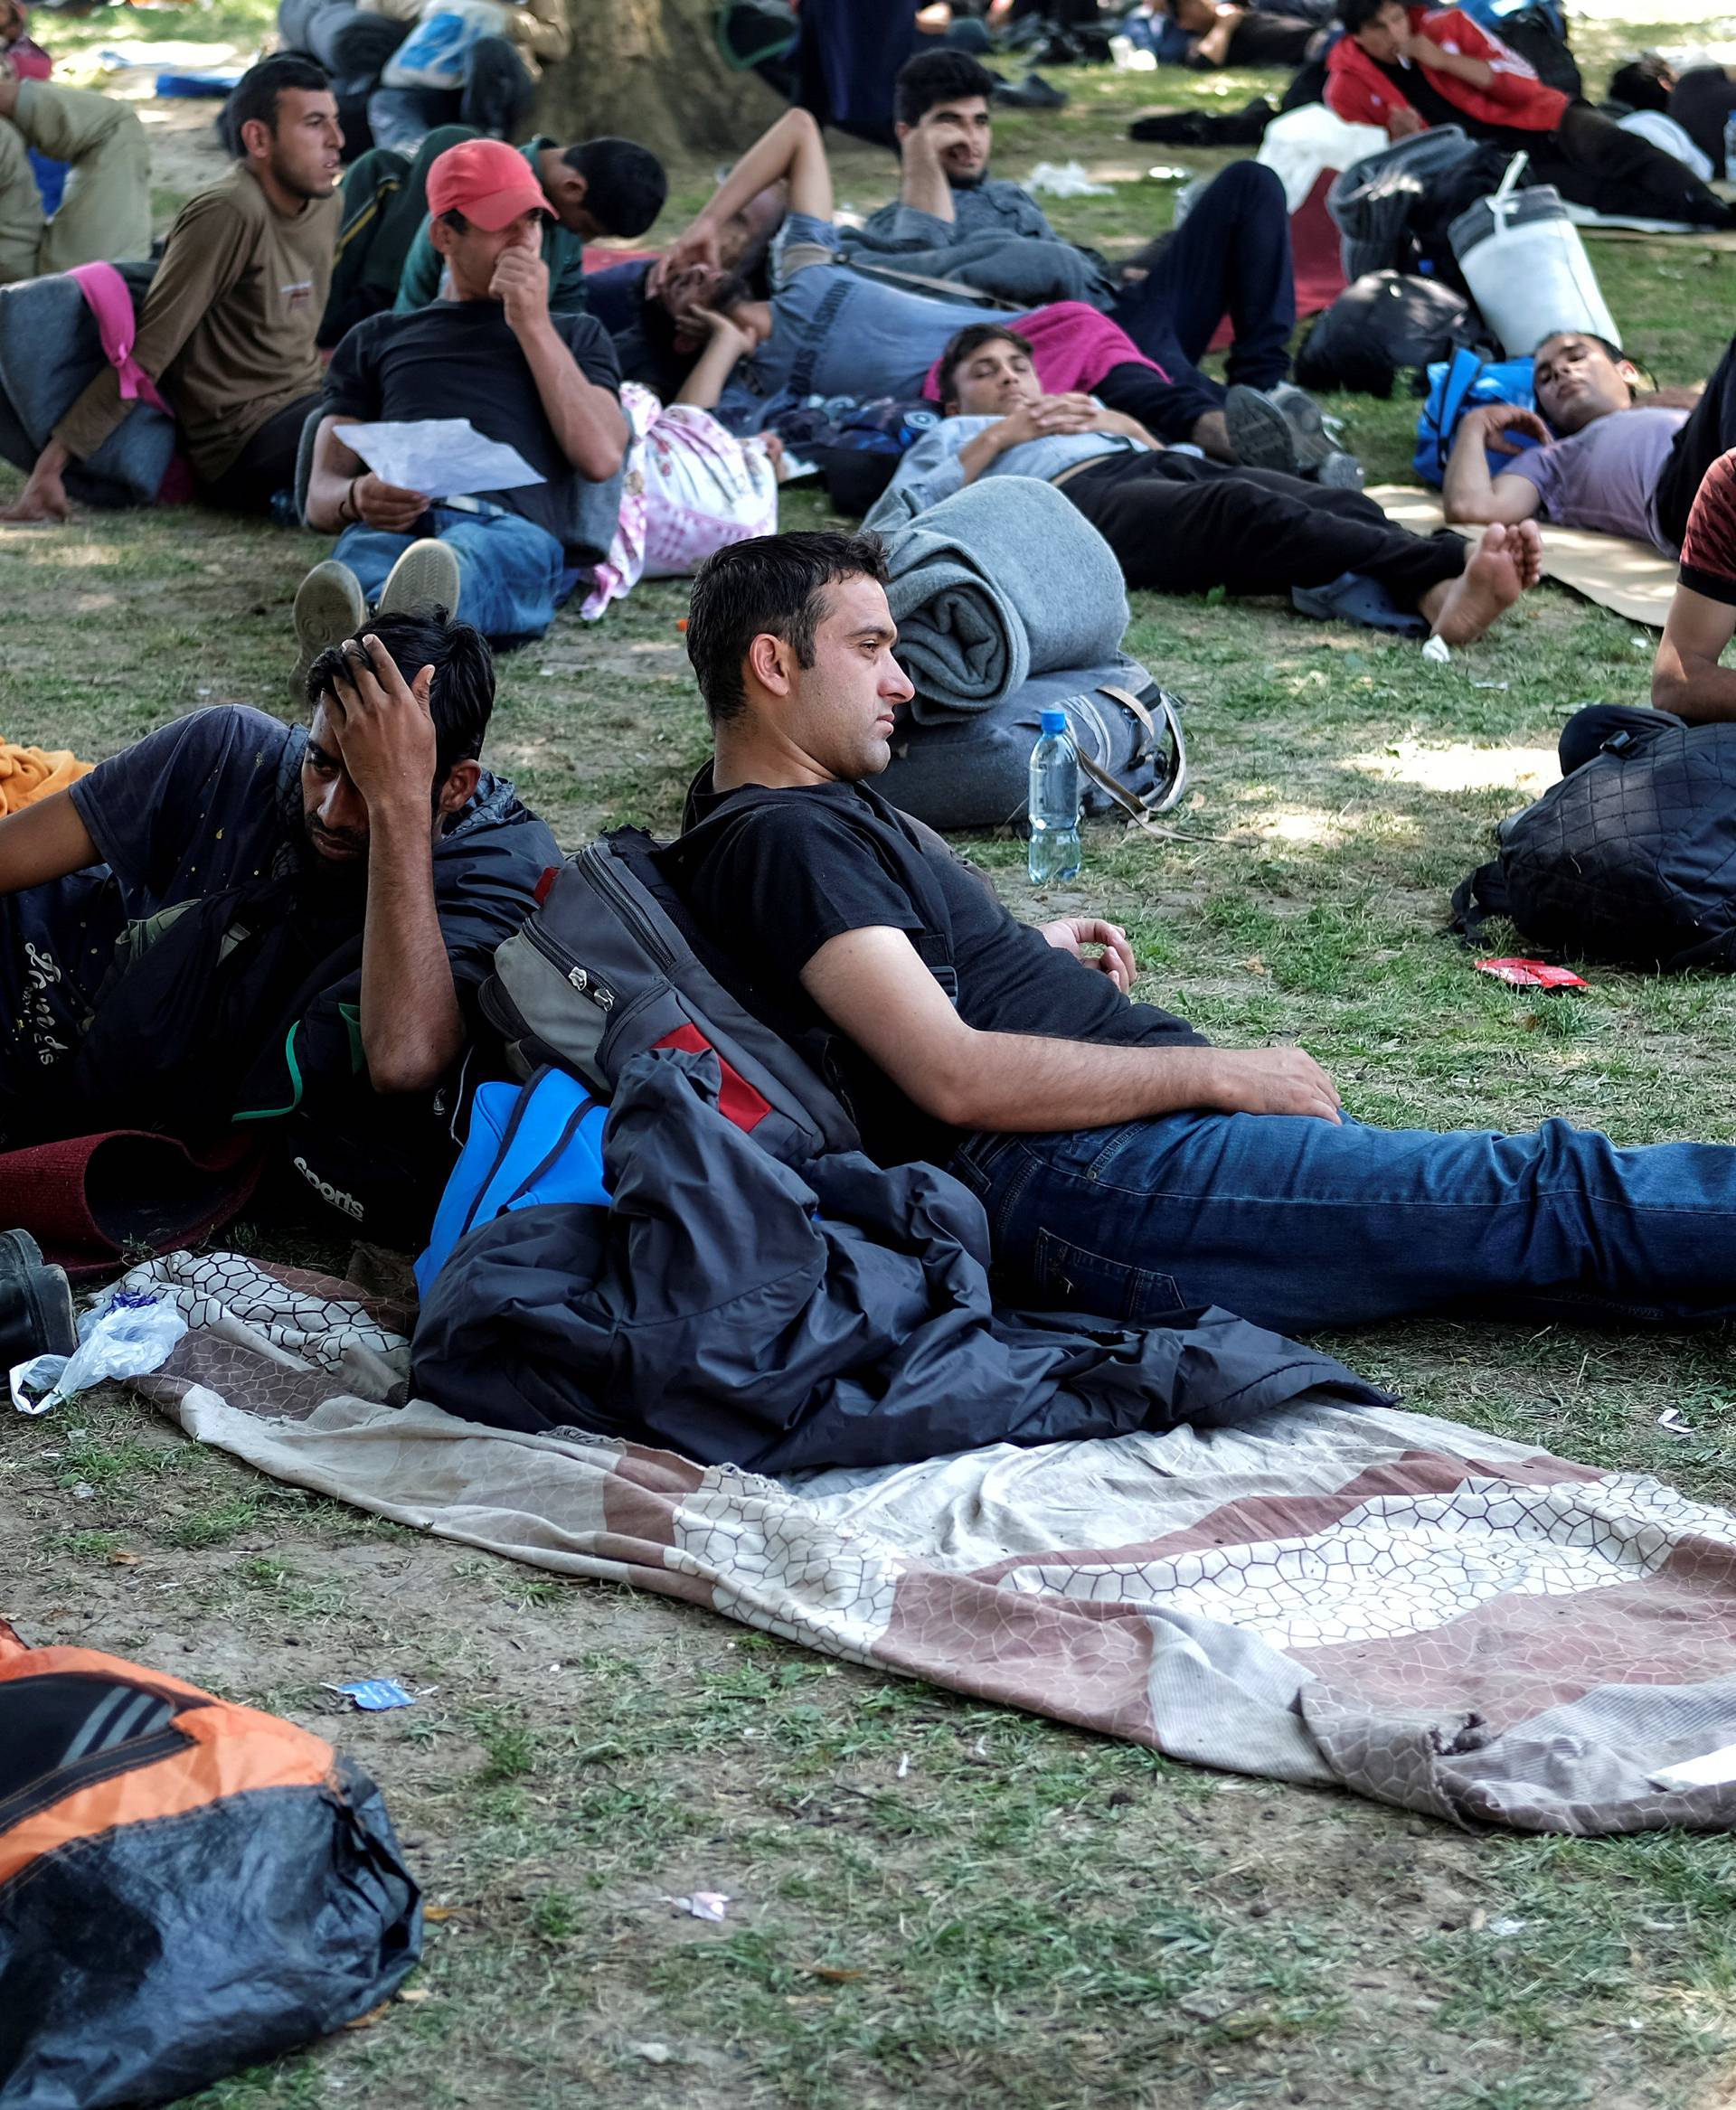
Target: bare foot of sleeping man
[{"x": 1507, "y": 561}]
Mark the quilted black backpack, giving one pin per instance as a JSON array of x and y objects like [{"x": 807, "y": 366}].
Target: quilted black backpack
[{"x": 1631, "y": 858}]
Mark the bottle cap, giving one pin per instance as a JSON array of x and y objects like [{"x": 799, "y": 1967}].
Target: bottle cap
[{"x": 1054, "y": 721}]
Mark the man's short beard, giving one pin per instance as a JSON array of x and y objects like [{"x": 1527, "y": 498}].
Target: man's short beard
[{"x": 970, "y": 182}]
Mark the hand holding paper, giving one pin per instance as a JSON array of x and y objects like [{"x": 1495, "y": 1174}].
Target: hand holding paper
[{"x": 442, "y": 456}]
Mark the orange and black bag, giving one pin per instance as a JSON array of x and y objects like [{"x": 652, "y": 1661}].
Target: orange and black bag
[{"x": 186, "y": 1886}]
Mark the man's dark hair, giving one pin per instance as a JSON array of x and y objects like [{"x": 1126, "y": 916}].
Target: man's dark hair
[
  {"x": 1643, "y": 83},
  {"x": 257, "y": 92},
  {"x": 1591, "y": 338},
  {"x": 625, "y": 184},
  {"x": 970, "y": 340},
  {"x": 933, "y": 78},
  {"x": 775, "y": 585},
  {"x": 461, "y": 697},
  {"x": 1356, "y": 14}
]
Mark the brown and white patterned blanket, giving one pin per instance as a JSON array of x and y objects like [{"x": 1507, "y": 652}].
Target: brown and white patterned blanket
[{"x": 1426, "y": 1614}]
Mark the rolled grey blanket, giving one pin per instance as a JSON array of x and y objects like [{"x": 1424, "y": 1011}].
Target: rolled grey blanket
[{"x": 1003, "y": 580}]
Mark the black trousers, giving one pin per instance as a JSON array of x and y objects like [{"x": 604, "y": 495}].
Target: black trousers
[
  {"x": 1592, "y": 162},
  {"x": 1710, "y": 431},
  {"x": 1703, "y": 102},
  {"x": 1183, "y": 525},
  {"x": 265, "y": 465}
]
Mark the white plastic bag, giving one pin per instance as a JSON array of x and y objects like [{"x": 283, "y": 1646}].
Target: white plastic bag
[{"x": 122, "y": 1335}]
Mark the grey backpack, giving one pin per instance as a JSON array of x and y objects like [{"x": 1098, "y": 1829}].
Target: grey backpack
[
  {"x": 610, "y": 965},
  {"x": 972, "y": 771}
]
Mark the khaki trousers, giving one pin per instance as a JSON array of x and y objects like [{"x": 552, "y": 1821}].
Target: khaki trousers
[{"x": 105, "y": 215}]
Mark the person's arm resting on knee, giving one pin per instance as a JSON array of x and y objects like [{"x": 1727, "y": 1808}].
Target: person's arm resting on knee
[
  {"x": 413, "y": 1028},
  {"x": 1470, "y": 496},
  {"x": 873, "y": 987}
]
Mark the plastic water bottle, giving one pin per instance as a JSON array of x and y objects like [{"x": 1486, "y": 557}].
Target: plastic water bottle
[
  {"x": 1730, "y": 146},
  {"x": 1054, "y": 853}
]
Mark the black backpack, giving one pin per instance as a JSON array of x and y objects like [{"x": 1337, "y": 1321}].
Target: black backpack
[
  {"x": 1387, "y": 323},
  {"x": 1631, "y": 858}
]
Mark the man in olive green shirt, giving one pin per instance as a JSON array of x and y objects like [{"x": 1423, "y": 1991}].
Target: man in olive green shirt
[{"x": 228, "y": 326}]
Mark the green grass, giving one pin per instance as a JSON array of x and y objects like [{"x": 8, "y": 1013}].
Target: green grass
[{"x": 933, "y": 1903}]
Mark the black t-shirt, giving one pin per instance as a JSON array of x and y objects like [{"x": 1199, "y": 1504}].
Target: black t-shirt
[
  {"x": 201, "y": 807},
  {"x": 771, "y": 876},
  {"x": 460, "y": 358}
]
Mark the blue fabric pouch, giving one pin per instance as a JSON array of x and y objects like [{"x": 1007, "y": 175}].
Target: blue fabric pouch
[
  {"x": 1459, "y": 384},
  {"x": 537, "y": 1141}
]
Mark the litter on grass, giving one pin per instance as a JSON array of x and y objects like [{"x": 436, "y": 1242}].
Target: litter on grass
[
  {"x": 1065, "y": 179},
  {"x": 702, "y": 1905},
  {"x": 374, "y": 1695},
  {"x": 1532, "y": 975}
]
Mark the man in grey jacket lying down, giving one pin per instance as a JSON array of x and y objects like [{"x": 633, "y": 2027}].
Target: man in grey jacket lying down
[{"x": 1179, "y": 523}]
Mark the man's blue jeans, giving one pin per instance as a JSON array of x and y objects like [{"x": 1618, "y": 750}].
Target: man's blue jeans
[
  {"x": 1296, "y": 1224},
  {"x": 509, "y": 568}
]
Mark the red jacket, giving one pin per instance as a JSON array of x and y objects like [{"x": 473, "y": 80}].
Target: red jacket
[{"x": 1358, "y": 91}]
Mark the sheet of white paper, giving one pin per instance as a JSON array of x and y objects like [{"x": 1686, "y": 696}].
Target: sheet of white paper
[
  {"x": 439, "y": 456},
  {"x": 1712, "y": 1770}
]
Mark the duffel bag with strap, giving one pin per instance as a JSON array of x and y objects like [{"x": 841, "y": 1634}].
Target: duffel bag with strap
[
  {"x": 1631, "y": 858},
  {"x": 186, "y": 1886},
  {"x": 974, "y": 772}
]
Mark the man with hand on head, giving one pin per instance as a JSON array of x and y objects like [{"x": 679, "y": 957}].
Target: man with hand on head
[
  {"x": 1231, "y": 256},
  {"x": 238, "y": 925},
  {"x": 227, "y": 329},
  {"x": 543, "y": 384}
]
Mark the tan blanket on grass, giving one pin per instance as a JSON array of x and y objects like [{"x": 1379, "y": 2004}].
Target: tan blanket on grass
[
  {"x": 1632, "y": 578},
  {"x": 1421, "y": 1613}
]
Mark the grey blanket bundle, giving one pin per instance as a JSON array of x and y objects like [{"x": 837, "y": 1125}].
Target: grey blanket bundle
[{"x": 1003, "y": 580}]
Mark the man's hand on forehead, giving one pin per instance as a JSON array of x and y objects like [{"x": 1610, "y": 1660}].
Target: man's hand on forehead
[{"x": 382, "y": 725}]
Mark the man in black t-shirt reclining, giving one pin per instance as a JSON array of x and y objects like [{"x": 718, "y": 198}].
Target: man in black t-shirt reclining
[
  {"x": 242, "y": 926},
  {"x": 545, "y": 384},
  {"x": 1127, "y": 1167}
]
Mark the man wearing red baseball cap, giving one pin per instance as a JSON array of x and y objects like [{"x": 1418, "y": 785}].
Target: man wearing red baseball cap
[{"x": 546, "y": 385}]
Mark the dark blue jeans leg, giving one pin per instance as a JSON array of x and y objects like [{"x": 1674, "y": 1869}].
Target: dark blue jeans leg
[
  {"x": 1231, "y": 255},
  {"x": 1297, "y": 1224}
]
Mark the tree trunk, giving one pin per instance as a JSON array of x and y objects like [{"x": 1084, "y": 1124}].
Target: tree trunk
[{"x": 650, "y": 70}]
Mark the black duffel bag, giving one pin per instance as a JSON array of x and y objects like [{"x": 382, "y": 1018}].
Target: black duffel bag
[
  {"x": 1385, "y": 325},
  {"x": 1631, "y": 858}
]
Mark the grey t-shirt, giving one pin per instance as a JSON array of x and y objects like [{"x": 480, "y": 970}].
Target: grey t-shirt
[
  {"x": 1605, "y": 476},
  {"x": 929, "y": 472}
]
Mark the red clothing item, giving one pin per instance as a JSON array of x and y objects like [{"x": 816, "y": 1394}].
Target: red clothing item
[
  {"x": 1709, "y": 548},
  {"x": 1072, "y": 347},
  {"x": 29, "y": 61},
  {"x": 1359, "y": 92}
]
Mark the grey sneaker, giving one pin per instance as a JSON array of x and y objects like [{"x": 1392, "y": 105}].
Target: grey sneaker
[
  {"x": 329, "y": 607},
  {"x": 425, "y": 575},
  {"x": 1340, "y": 472},
  {"x": 1281, "y": 428}
]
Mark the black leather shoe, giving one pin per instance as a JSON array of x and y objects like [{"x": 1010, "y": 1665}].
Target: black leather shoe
[{"x": 36, "y": 1315}]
